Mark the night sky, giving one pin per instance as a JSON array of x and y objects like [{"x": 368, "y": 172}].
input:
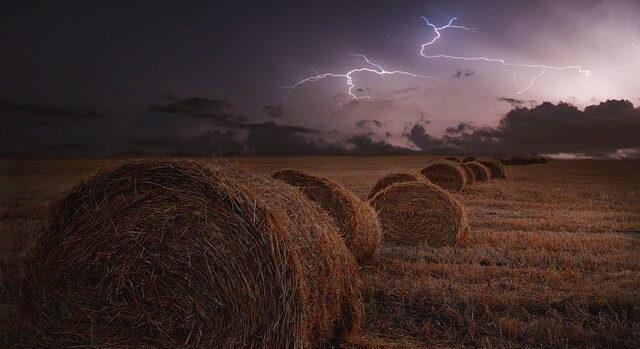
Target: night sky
[{"x": 105, "y": 78}]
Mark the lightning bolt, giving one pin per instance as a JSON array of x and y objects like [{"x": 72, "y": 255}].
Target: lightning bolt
[
  {"x": 543, "y": 68},
  {"x": 371, "y": 67}
]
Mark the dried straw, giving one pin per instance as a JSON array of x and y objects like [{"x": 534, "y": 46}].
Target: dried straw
[
  {"x": 480, "y": 172},
  {"x": 496, "y": 168},
  {"x": 392, "y": 178},
  {"x": 169, "y": 254},
  {"x": 445, "y": 174},
  {"x": 419, "y": 213},
  {"x": 356, "y": 220}
]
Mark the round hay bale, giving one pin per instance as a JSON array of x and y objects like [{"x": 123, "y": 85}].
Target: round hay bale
[
  {"x": 356, "y": 220},
  {"x": 445, "y": 174},
  {"x": 480, "y": 172},
  {"x": 517, "y": 160},
  {"x": 167, "y": 254},
  {"x": 392, "y": 178},
  {"x": 420, "y": 213},
  {"x": 500, "y": 159},
  {"x": 453, "y": 158},
  {"x": 469, "y": 159},
  {"x": 469, "y": 177},
  {"x": 496, "y": 168}
]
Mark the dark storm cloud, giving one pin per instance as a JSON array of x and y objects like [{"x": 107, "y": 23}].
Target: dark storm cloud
[
  {"x": 408, "y": 89},
  {"x": 214, "y": 142},
  {"x": 219, "y": 112},
  {"x": 418, "y": 135},
  {"x": 215, "y": 109},
  {"x": 463, "y": 73},
  {"x": 518, "y": 102},
  {"x": 364, "y": 122},
  {"x": 461, "y": 129},
  {"x": 273, "y": 111},
  {"x": 16, "y": 111},
  {"x": 365, "y": 145},
  {"x": 548, "y": 128}
]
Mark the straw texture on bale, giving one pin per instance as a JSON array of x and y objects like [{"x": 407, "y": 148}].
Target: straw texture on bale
[
  {"x": 166, "y": 254},
  {"x": 393, "y": 178},
  {"x": 453, "y": 158},
  {"x": 469, "y": 159},
  {"x": 496, "y": 168},
  {"x": 480, "y": 172},
  {"x": 445, "y": 174},
  {"x": 420, "y": 213},
  {"x": 356, "y": 220},
  {"x": 470, "y": 179},
  {"x": 500, "y": 159}
]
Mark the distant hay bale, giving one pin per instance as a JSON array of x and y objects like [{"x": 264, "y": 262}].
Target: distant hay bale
[
  {"x": 469, "y": 159},
  {"x": 480, "y": 172},
  {"x": 445, "y": 174},
  {"x": 420, "y": 213},
  {"x": 517, "y": 160},
  {"x": 356, "y": 220},
  {"x": 453, "y": 158},
  {"x": 496, "y": 168},
  {"x": 500, "y": 159},
  {"x": 174, "y": 254},
  {"x": 393, "y": 178},
  {"x": 470, "y": 179}
]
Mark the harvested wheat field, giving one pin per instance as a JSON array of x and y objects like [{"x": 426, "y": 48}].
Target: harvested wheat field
[{"x": 551, "y": 259}]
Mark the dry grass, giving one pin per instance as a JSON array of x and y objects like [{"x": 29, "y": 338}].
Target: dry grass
[{"x": 551, "y": 262}]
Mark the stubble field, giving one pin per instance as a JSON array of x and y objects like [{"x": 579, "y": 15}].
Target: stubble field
[{"x": 553, "y": 259}]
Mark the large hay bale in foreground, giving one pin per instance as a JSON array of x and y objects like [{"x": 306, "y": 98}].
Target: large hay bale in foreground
[
  {"x": 496, "y": 168},
  {"x": 393, "y": 178},
  {"x": 420, "y": 213},
  {"x": 480, "y": 172},
  {"x": 356, "y": 220},
  {"x": 445, "y": 174},
  {"x": 469, "y": 159},
  {"x": 168, "y": 254},
  {"x": 469, "y": 177}
]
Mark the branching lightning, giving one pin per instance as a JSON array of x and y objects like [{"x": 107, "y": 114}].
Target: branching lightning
[
  {"x": 543, "y": 68},
  {"x": 378, "y": 69},
  {"x": 348, "y": 76}
]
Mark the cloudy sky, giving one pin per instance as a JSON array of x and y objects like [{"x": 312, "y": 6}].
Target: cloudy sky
[{"x": 215, "y": 77}]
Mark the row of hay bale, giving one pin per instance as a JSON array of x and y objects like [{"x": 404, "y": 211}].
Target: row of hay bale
[
  {"x": 177, "y": 254},
  {"x": 418, "y": 208},
  {"x": 526, "y": 160}
]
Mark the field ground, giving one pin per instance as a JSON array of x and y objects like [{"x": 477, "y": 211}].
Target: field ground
[{"x": 553, "y": 259}]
